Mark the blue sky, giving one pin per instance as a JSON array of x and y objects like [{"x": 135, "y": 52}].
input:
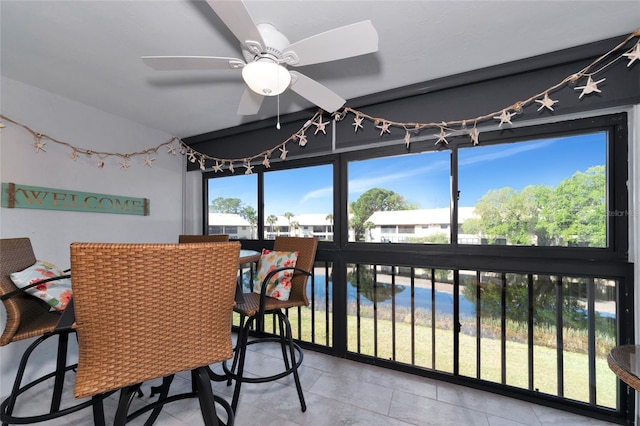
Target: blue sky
[{"x": 423, "y": 179}]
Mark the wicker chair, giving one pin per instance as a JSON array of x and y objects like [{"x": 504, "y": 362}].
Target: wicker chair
[
  {"x": 29, "y": 317},
  {"x": 256, "y": 306},
  {"x": 211, "y": 238},
  {"x": 167, "y": 313}
]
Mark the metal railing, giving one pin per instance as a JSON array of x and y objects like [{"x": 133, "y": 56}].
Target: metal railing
[{"x": 539, "y": 335}]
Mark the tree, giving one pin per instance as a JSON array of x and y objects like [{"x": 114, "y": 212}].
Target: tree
[
  {"x": 235, "y": 206},
  {"x": 579, "y": 209},
  {"x": 251, "y": 215},
  {"x": 295, "y": 225},
  {"x": 573, "y": 213},
  {"x": 288, "y": 215},
  {"x": 226, "y": 205},
  {"x": 373, "y": 200},
  {"x": 271, "y": 220},
  {"x": 362, "y": 278}
]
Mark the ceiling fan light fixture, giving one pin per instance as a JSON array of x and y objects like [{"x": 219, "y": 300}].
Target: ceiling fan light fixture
[{"x": 266, "y": 77}]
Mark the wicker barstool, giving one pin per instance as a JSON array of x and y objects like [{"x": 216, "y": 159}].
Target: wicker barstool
[
  {"x": 256, "y": 306},
  {"x": 29, "y": 317},
  {"x": 169, "y": 308}
]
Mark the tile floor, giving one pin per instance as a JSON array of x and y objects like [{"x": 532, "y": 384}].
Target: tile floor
[{"x": 338, "y": 392}]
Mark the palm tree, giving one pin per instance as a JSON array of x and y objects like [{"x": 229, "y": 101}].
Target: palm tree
[
  {"x": 288, "y": 215},
  {"x": 294, "y": 225},
  {"x": 271, "y": 220},
  {"x": 329, "y": 218}
]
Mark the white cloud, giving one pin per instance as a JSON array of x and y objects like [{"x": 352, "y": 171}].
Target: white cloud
[{"x": 506, "y": 152}]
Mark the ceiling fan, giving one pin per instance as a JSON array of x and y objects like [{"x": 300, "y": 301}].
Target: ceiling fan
[{"x": 267, "y": 53}]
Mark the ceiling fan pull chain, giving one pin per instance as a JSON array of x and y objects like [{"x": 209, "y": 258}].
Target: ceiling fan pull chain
[
  {"x": 278, "y": 102},
  {"x": 278, "y": 123}
]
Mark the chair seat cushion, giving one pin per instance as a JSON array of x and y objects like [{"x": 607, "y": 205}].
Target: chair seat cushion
[
  {"x": 56, "y": 294},
  {"x": 279, "y": 286}
]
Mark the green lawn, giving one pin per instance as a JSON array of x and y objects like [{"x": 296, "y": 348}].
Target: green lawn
[{"x": 576, "y": 377}]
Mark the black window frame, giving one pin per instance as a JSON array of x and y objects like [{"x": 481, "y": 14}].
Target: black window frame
[{"x": 616, "y": 127}]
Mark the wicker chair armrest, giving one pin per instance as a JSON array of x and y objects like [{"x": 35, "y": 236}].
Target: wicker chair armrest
[
  {"x": 270, "y": 275},
  {"x": 33, "y": 284}
]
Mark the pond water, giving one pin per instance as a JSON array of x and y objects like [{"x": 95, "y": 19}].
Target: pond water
[{"x": 422, "y": 298}]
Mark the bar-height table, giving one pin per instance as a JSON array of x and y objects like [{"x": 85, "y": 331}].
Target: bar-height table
[{"x": 625, "y": 362}]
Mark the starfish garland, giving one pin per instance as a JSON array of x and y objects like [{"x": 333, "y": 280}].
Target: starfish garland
[
  {"x": 590, "y": 87},
  {"x": 454, "y": 127},
  {"x": 546, "y": 102}
]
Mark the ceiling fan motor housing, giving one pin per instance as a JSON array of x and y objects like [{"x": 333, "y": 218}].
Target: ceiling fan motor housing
[{"x": 275, "y": 42}]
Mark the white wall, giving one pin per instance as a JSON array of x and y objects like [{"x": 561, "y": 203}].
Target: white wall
[
  {"x": 634, "y": 220},
  {"x": 193, "y": 203},
  {"x": 51, "y": 232}
]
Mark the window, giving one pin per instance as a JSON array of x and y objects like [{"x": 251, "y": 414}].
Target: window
[
  {"x": 545, "y": 192},
  {"x": 297, "y": 201},
  {"x": 233, "y": 202},
  {"x": 399, "y": 194}
]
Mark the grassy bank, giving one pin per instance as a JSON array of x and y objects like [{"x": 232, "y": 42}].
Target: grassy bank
[{"x": 437, "y": 353}]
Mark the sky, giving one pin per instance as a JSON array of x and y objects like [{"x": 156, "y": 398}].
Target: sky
[{"x": 423, "y": 179}]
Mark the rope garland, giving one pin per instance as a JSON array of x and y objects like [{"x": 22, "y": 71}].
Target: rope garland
[{"x": 454, "y": 127}]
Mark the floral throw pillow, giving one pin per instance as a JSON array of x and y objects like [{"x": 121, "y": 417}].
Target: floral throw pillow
[
  {"x": 279, "y": 286},
  {"x": 56, "y": 293}
]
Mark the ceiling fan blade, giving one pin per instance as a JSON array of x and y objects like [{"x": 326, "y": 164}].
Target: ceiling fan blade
[
  {"x": 315, "y": 92},
  {"x": 250, "y": 102},
  {"x": 344, "y": 42},
  {"x": 236, "y": 17},
  {"x": 167, "y": 63}
]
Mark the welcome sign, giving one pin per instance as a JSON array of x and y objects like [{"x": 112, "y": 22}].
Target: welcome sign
[{"x": 34, "y": 197}]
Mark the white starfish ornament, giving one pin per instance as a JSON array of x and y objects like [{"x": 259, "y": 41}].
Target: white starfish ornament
[
  {"x": 546, "y": 102},
  {"x": 590, "y": 87},
  {"x": 474, "y": 134},
  {"x": 633, "y": 54},
  {"x": 320, "y": 126},
  {"x": 357, "y": 123},
  {"x": 442, "y": 137},
  {"x": 505, "y": 117},
  {"x": 384, "y": 127}
]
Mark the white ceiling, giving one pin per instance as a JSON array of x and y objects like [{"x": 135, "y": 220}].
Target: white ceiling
[{"x": 90, "y": 51}]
